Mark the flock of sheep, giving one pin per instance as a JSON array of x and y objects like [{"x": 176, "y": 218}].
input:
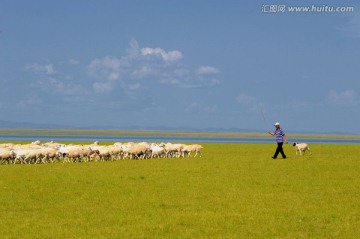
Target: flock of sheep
[{"x": 52, "y": 152}]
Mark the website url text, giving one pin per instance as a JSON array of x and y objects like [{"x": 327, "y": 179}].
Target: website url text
[{"x": 277, "y": 8}]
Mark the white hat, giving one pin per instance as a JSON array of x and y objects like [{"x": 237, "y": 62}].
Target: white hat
[{"x": 276, "y": 124}]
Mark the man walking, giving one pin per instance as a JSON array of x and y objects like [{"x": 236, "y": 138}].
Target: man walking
[{"x": 280, "y": 139}]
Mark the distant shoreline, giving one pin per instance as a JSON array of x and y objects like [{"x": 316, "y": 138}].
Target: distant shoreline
[{"x": 94, "y": 132}]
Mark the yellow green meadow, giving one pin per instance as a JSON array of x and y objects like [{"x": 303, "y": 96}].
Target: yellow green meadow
[{"x": 232, "y": 191}]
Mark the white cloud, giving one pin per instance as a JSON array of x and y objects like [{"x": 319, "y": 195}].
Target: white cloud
[
  {"x": 352, "y": 27},
  {"x": 133, "y": 51},
  {"x": 105, "y": 71},
  {"x": 201, "y": 107},
  {"x": 41, "y": 69},
  {"x": 299, "y": 104},
  {"x": 170, "y": 56},
  {"x": 208, "y": 82},
  {"x": 153, "y": 108},
  {"x": 135, "y": 76},
  {"x": 204, "y": 70},
  {"x": 138, "y": 69},
  {"x": 73, "y": 62},
  {"x": 184, "y": 78},
  {"x": 47, "y": 83},
  {"x": 106, "y": 67},
  {"x": 246, "y": 100},
  {"x": 141, "y": 64},
  {"x": 134, "y": 86},
  {"x": 53, "y": 85},
  {"x": 75, "y": 90},
  {"x": 30, "y": 102},
  {"x": 179, "y": 77},
  {"x": 170, "y": 80},
  {"x": 343, "y": 98},
  {"x": 101, "y": 87},
  {"x": 144, "y": 71}
]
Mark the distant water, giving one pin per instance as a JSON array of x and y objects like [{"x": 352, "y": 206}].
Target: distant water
[{"x": 90, "y": 138}]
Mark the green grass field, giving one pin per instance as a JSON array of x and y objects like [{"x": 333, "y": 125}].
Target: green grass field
[{"x": 233, "y": 191}]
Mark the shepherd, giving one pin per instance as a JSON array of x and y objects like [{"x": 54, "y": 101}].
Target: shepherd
[{"x": 280, "y": 139}]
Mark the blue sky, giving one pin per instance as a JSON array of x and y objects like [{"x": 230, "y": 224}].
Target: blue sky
[{"x": 193, "y": 64}]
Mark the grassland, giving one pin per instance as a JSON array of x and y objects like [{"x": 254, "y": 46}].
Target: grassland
[{"x": 233, "y": 191}]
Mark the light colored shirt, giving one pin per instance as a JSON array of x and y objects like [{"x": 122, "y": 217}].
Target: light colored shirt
[{"x": 279, "y": 135}]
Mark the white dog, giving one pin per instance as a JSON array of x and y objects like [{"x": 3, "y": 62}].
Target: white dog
[{"x": 301, "y": 147}]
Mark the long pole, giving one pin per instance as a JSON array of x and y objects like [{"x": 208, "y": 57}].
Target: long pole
[{"x": 263, "y": 116}]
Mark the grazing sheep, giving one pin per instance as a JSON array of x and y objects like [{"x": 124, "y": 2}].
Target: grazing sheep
[
  {"x": 173, "y": 150},
  {"x": 88, "y": 154},
  {"x": 188, "y": 149},
  {"x": 138, "y": 150},
  {"x": 6, "y": 145},
  {"x": 104, "y": 153},
  {"x": 109, "y": 152},
  {"x": 115, "y": 152},
  {"x": 25, "y": 155},
  {"x": 37, "y": 142},
  {"x": 301, "y": 147},
  {"x": 5, "y": 155},
  {"x": 52, "y": 144},
  {"x": 125, "y": 149},
  {"x": 157, "y": 150},
  {"x": 72, "y": 152},
  {"x": 50, "y": 152}
]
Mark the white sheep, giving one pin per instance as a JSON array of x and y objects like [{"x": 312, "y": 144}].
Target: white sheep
[
  {"x": 301, "y": 147},
  {"x": 173, "y": 149},
  {"x": 108, "y": 152},
  {"x": 71, "y": 152},
  {"x": 52, "y": 144},
  {"x": 25, "y": 155},
  {"x": 7, "y": 145},
  {"x": 157, "y": 149},
  {"x": 188, "y": 149},
  {"x": 5, "y": 155},
  {"x": 115, "y": 152},
  {"x": 36, "y": 152},
  {"x": 48, "y": 153},
  {"x": 37, "y": 142},
  {"x": 138, "y": 150}
]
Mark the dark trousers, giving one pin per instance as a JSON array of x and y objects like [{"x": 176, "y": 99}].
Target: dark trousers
[{"x": 279, "y": 149}]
